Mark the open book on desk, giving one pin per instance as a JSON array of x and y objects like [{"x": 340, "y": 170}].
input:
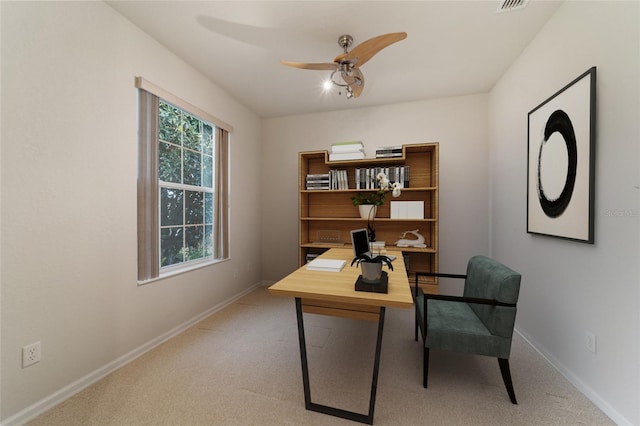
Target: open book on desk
[{"x": 328, "y": 265}]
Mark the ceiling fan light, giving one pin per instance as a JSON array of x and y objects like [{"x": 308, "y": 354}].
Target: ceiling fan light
[
  {"x": 344, "y": 79},
  {"x": 337, "y": 83},
  {"x": 349, "y": 92}
]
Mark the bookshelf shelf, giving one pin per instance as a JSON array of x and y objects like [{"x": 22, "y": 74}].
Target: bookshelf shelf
[
  {"x": 329, "y": 245},
  {"x": 378, "y": 219},
  {"x": 314, "y": 191},
  {"x": 330, "y": 211}
]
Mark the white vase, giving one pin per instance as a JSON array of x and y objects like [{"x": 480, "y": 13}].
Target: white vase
[
  {"x": 371, "y": 272},
  {"x": 367, "y": 211}
]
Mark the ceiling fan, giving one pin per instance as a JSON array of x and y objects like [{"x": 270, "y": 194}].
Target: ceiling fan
[{"x": 346, "y": 66}]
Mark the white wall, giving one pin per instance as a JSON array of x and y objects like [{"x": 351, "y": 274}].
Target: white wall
[
  {"x": 460, "y": 126},
  {"x": 69, "y": 161},
  {"x": 570, "y": 288}
]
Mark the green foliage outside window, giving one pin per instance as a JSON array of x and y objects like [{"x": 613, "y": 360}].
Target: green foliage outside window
[{"x": 185, "y": 171}]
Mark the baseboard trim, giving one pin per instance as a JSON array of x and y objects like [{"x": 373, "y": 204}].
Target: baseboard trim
[
  {"x": 68, "y": 391},
  {"x": 592, "y": 395}
]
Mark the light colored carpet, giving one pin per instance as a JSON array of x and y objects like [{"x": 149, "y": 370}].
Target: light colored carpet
[{"x": 241, "y": 366}]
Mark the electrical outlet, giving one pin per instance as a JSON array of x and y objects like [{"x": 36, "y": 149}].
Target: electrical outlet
[
  {"x": 31, "y": 354},
  {"x": 591, "y": 341}
]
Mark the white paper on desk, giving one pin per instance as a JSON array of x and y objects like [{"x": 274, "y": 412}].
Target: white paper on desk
[{"x": 329, "y": 265}]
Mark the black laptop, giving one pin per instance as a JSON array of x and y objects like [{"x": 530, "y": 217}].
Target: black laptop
[{"x": 360, "y": 243}]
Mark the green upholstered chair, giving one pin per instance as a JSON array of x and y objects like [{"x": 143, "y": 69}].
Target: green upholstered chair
[{"x": 479, "y": 322}]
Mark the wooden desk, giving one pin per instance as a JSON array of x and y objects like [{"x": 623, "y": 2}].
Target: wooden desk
[{"x": 333, "y": 293}]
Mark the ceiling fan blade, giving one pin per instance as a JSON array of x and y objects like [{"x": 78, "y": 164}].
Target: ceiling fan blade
[
  {"x": 306, "y": 66},
  {"x": 355, "y": 81},
  {"x": 367, "y": 49}
]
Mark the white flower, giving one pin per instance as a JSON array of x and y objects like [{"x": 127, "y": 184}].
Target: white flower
[
  {"x": 383, "y": 181},
  {"x": 396, "y": 189},
  {"x": 386, "y": 185}
]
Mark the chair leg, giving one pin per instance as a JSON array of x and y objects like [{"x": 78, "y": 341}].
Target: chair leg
[
  {"x": 425, "y": 366},
  {"x": 506, "y": 377},
  {"x": 416, "y": 325}
]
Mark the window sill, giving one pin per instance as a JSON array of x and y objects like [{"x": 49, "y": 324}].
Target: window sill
[{"x": 172, "y": 272}]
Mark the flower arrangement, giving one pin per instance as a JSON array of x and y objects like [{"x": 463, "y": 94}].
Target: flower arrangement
[
  {"x": 377, "y": 198},
  {"x": 372, "y": 267}
]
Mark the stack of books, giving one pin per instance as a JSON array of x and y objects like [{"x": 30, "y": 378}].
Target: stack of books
[
  {"x": 326, "y": 265},
  {"x": 346, "y": 151},
  {"x": 366, "y": 177},
  {"x": 338, "y": 179},
  {"x": 389, "y": 152},
  {"x": 318, "y": 181}
]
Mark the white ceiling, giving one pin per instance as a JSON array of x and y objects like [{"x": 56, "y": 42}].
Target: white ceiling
[{"x": 452, "y": 47}]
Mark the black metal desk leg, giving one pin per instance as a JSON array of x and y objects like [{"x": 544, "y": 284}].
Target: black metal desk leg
[
  {"x": 376, "y": 365},
  {"x": 303, "y": 355},
  {"x": 337, "y": 412}
]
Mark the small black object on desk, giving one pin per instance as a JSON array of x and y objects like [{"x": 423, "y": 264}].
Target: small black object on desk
[{"x": 378, "y": 287}]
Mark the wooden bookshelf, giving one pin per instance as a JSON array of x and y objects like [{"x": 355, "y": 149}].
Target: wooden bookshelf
[{"x": 326, "y": 217}]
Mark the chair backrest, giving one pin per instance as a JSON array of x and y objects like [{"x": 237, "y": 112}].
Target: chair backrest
[{"x": 489, "y": 279}]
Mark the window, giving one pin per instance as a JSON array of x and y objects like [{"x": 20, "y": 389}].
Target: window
[{"x": 182, "y": 185}]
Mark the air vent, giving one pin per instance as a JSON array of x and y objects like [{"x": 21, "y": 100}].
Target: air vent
[{"x": 509, "y": 5}]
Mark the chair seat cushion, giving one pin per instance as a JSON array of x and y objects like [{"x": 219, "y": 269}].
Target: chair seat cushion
[{"x": 454, "y": 326}]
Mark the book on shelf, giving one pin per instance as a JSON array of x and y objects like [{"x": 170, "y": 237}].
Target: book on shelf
[
  {"x": 313, "y": 186},
  {"x": 317, "y": 176},
  {"x": 318, "y": 181},
  {"x": 340, "y": 156},
  {"x": 367, "y": 177},
  {"x": 326, "y": 265},
  {"x": 389, "y": 152},
  {"x": 347, "y": 147}
]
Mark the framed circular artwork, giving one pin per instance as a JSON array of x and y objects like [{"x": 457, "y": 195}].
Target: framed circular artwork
[{"x": 561, "y": 162}]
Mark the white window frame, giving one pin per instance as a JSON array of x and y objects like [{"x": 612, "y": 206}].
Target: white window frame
[{"x": 149, "y": 268}]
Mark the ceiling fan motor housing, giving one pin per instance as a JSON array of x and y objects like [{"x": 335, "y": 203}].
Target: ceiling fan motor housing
[{"x": 345, "y": 41}]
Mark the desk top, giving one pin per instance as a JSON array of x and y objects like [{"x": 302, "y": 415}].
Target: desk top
[{"x": 340, "y": 286}]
